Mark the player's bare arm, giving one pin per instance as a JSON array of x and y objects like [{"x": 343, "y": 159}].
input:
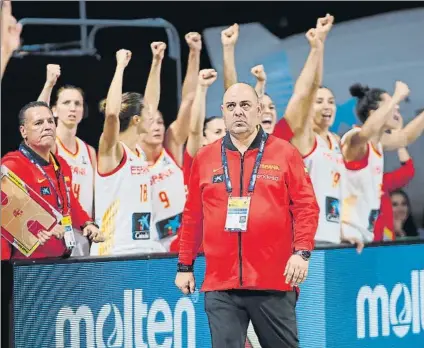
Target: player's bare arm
[
  {"x": 198, "y": 111},
  {"x": 52, "y": 75},
  {"x": 110, "y": 153},
  {"x": 259, "y": 72},
  {"x": 10, "y": 34},
  {"x": 355, "y": 145},
  {"x": 152, "y": 90},
  {"x": 299, "y": 111},
  {"x": 404, "y": 136},
  {"x": 229, "y": 39},
  {"x": 178, "y": 132},
  {"x": 194, "y": 42}
]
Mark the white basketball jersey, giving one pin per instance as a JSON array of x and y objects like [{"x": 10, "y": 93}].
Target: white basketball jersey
[
  {"x": 361, "y": 204},
  {"x": 327, "y": 172},
  {"x": 82, "y": 172},
  {"x": 169, "y": 197},
  {"x": 82, "y": 185},
  {"x": 124, "y": 207}
]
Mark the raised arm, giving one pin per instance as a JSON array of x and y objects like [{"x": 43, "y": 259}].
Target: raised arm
[
  {"x": 405, "y": 136},
  {"x": 355, "y": 145},
  {"x": 177, "y": 133},
  {"x": 52, "y": 74},
  {"x": 109, "y": 140},
  {"x": 229, "y": 38},
  {"x": 301, "y": 123},
  {"x": 298, "y": 108},
  {"x": 152, "y": 91},
  {"x": 10, "y": 34},
  {"x": 259, "y": 72},
  {"x": 194, "y": 42},
  {"x": 198, "y": 111}
]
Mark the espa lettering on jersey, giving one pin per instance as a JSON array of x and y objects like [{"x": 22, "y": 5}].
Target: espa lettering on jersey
[
  {"x": 76, "y": 170},
  {"x": 330, "y": 156},
  {"x": 133, "y": 324},
  {"x": 155, "y": 178},
  {"x": 269, "y": 166},
  {"x": 385, "y": 310},
  {"x": 139, "y": 170}
]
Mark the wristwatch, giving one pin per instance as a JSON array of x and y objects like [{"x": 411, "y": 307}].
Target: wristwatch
[
  {"x": 305, "y": 254},
  {"x": 185, "y": 268},
  {"x": 89, "y": 223}
]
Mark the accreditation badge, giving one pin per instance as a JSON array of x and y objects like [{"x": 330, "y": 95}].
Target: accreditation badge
[
  {"x": 69, "y": 232},
  {"x": 237, "y": 214}
]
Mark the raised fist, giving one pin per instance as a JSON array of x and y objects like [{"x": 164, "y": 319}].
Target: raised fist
[
  {"x": 230, "y": 35},
  {"x": 324, "y": 25},
  {"x": 53, "y": 73},
  {"x": 123, "y": 57},
  {"x": 207, "y": 77},
  {"x": 313, "y": 38},
  {"x": 194, "y": 41},
  {"x": 158, "y": 50},
  {"x": 401, "y": 90},
  {"x": 10, "y": 29},
  {"x": 259, "y": 72}
]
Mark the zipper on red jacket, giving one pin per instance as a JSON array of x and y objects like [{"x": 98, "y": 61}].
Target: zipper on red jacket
[{"x": 239, "y": 234}]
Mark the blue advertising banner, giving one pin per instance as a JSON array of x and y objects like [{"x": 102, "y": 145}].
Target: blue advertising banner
[
  {"x": 107, "y": 304},
  {"x": 371, "y": 300},
  {"x": 375, "y": 299}
]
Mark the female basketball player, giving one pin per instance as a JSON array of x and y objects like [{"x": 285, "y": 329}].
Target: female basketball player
[
  {"x": 201, "y": 132},
  {"x": 81, "y": 157},
  {"x": 123, "y": 197},
  {"x": 321, "y": 151},
  {"x": 363, "y": 154},
  {"x": 164, "y": 152},
  {"x": 300, "y": 102}
]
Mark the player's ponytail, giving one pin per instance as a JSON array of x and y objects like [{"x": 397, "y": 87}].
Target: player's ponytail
[
  {"x": 368, "y": 99},
  {"x": 358, "y": 91}
]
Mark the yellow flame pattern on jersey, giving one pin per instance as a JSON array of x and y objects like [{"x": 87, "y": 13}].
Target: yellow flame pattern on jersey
[{"x": 108, "y": 227}]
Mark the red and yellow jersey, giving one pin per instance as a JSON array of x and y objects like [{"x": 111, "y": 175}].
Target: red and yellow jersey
[
  {"x": 123, "y": 204},
  {"x": 327, "y": 171},
  {"x": 363, "y": 191},
  {"x": 168, "y": 199},
  {"x": 82, "y": 172}
]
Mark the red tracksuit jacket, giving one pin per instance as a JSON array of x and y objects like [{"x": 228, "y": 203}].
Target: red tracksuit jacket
[
  {"x": 283, "y": 215},
  {"x": 28, "y": 172},
  {"x": 391, "y": 181},
  {"x": 282, "y": 130}
]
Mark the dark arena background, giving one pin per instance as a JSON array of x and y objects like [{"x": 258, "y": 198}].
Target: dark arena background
[{"x": 371, "y": 300}]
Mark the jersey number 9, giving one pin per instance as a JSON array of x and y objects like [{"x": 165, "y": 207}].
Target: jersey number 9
[{"x": 164, "y": 199}]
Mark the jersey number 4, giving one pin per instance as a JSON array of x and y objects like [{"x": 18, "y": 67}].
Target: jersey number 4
[{"x": 76, "y": 190}]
